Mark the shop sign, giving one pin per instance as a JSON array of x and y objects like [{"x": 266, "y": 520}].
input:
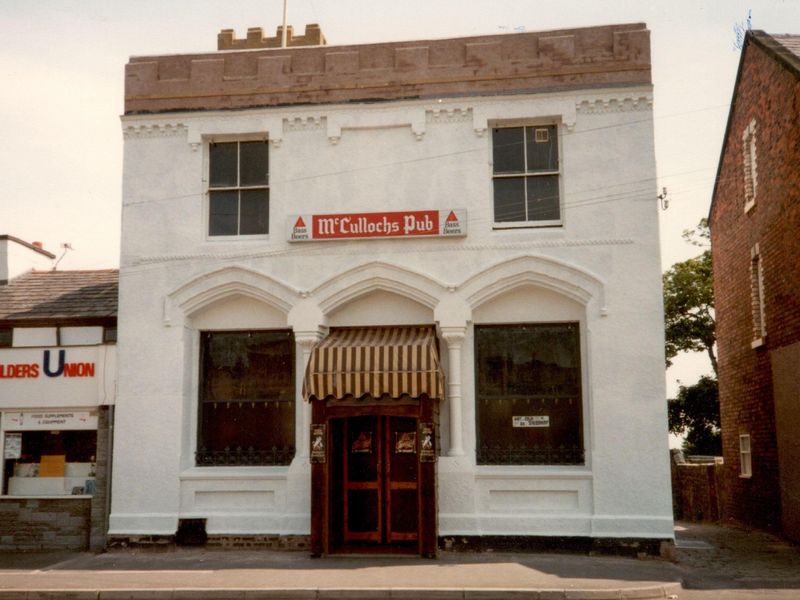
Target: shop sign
[
  {"x": 49, "y": 419},
  {"x": 414, "y": 223},
  {"x": 50, "y": 366},
  {"x": 531, "y": 421}
]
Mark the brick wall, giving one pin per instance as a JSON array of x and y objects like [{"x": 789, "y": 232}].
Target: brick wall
[
  {"x": 29, "y": 524},
  {"x": 525, "y": 62},
  {"x": 770, "y": 93},
  {"x": 99, "y": 520}
]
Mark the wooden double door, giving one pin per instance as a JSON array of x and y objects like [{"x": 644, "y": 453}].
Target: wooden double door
[
  {"x": 373, "y": 477},
  {"x": 376, "y": 480}
]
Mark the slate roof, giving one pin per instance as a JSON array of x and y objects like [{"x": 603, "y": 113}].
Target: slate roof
[
  {"x": 60, "y": 296},
  {"x": 790, "y": 42},
  {"x": 784, "y": 48}
]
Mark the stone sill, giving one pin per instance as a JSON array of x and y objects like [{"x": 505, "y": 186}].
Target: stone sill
[
  {"x": 64, "y": 497},
  {"x": 534, "y": 472},
  {"x": 758, "y": 343}
]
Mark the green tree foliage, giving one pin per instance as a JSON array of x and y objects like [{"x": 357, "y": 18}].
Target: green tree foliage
[
  {"x": 689, "y": 302},
  {"x": 689, "y": 327},
  {"x": 695, "y": 413}
]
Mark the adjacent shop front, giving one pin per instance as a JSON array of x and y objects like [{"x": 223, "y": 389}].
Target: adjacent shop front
[{"x": 55, "y": 437}]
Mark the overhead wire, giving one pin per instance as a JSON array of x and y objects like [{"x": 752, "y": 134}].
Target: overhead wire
[{"x": 587, "y": 201}]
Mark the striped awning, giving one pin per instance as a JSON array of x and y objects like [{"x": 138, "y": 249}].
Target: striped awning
[{"x": 393, "y": 361}]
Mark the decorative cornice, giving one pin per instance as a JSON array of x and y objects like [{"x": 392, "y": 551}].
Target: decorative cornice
[
  {"x": 336, "y": 123},
  {"x": 154, "y": 130},
  {"x": 603, "y": 106},
  {"x": 448, "y": 114},
  {"x": 307, "y": 123}
]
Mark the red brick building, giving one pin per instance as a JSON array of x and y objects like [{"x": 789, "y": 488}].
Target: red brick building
[{"x": 755, "y": 238}]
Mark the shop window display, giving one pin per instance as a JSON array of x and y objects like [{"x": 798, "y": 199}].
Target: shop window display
[
  {"x": 49, "y": 463},
  {"x": 247, "y": 398}
]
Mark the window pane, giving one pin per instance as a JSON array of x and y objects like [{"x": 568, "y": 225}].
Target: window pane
[
  {"x": 222, "y": 159},
  {"x": 223, "y": 218},
  {"x": 509, "y": 199},
  {"x": 543, "y": 202},
  {"x": 253, "y": 163},
  {"x": 248, "y": 366},
  {"x": 542, "y": 154},
  {"x": 255, "y": 212},
  {"x": 529, "y": 371},
  {"x": 247, "y": 398},
  {"x": 241, "y": 433},
  {"x": 508, "y": 150},
  {"x": 529, "y": 360}
]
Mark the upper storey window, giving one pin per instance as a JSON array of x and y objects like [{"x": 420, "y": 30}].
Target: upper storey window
[
  {"x": 750, "y": 165},
  {"x": 525, "y": 178},
  {"x": 238, "y": 186}
]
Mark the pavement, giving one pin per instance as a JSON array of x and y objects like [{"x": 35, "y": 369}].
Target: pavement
[{"x": 710, "y": 561}]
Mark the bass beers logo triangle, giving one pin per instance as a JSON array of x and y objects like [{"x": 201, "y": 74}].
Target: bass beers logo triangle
[
  {"x": 401, "y": 224},
  {"x": 299, "y": 231}
]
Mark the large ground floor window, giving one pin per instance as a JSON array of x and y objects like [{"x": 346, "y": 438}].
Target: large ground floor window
[
  {"x": 247, "y": 398},
  {"x": 528, "y": 394}
]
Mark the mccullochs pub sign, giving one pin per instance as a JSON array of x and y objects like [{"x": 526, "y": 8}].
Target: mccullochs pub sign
[{"x": 413, "y": 223}]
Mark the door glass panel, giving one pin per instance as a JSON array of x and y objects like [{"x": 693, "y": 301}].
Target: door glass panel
[
  {"x": 403, "y": 452},
  {"x": 362, "y": 510},
  {"x": 404, "y": 511},
  {"x": 362, "y": 450}
]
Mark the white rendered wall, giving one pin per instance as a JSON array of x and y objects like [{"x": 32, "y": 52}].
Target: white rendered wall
[{"x": 600, "y": 268}]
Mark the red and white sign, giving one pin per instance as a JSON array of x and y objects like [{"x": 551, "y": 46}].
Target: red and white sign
[{"x": 413, "y": 223}]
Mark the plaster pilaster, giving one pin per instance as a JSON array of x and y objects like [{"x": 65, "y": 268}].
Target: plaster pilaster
[
  {"x": 305, "y": 342},
  {"x": 454, "y": 336}
]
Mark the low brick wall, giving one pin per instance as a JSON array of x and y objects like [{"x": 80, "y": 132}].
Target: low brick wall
[
  {"x": 697, "y": 491},
  {"x": 28, "y": 524}
]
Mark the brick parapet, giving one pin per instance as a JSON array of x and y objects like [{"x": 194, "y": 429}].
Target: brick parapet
[
  {"x": 227, "y": 40},
  {"x": 606, "y": 56},
  {"x": 770, "y": 93}
]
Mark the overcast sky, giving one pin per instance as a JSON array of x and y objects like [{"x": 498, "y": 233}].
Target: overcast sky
[{"x": 62, "y": 63}]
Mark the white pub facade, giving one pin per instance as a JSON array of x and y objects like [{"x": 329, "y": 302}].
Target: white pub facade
[{"x": 392, "y": 294}]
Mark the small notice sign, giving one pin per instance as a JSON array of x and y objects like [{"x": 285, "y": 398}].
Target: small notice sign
[
  {"x": 427, "y": 443},
  {"x": 531, "y": 421},
  {"x": 318, "y": 443},
  {"x": 451, "y": 222},
  {"x": 13, "y": 446}
]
